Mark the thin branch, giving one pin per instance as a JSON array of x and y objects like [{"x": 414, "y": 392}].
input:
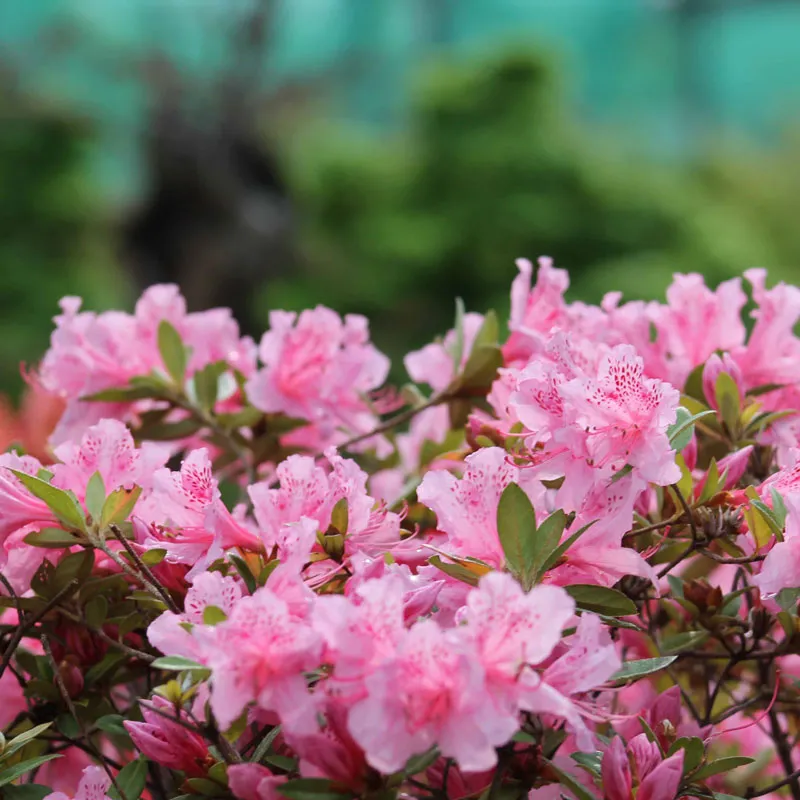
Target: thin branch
[
  {"x": 773, "y": 787},
  {"x": 27, "y": 624},
  {"x": 165, "y": 595},
  {"x": 74, "y": 712}
]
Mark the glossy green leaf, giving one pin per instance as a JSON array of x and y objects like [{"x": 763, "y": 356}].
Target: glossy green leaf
[
  {"x": 52, "y": 538},
  {"x": 63, "y": 504},
  {"x": 729, "y": 401},
  {"x": 131, "y": 780},
  {"x": 12, "y": 773},
  {"x": 516, "y": 527},
  {"x": 632, "y": 670},
  {"x": 206, "y": 384},
  {"x": 455, "y": 571},
  {"x": 173, "y": 352},
  {"x": 683, "y": 641},
  {"x": 119, "y": 505},
  {"x": 177, "y": 664},
  {"x": 693, "y": 751},
  {"x": 721, "y": 765},
  {"x": 601, "y": 600}
]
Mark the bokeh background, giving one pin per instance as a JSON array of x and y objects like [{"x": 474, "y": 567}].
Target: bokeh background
[{"x": 383, "y": 156}]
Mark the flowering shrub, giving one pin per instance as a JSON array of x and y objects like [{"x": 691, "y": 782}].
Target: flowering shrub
[{"x": 569, "y": 567}]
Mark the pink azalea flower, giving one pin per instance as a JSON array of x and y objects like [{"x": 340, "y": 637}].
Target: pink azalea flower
[
  {"x": 657, "y": 778},
  {"x": 254, "y": 782},
  {"x": 626, "y": 416},
  {"x": 260, "y": 654},
  {"x": 512, "y": 630},
  {"x": 18, "y": 507},
  {"x": 93, "y": 786},
  {"x": 168, "y": 632},
  {"x": 777, "y": 313},
  {"x": 781, "y": 568},
  {"x": 434, "y": 365},
  {"x": 107, "y": 448},
  {"x": 714, "y": 367},
  {"x": 590, "y": 660},
  {"x": 169, "y": 743},
  {"x": 91, "y": 352},
  {"x": 318, "y": 367},
  {"x": 467, "y": 508},
  {"x": 431, "y": 692},
  {"x": 696, "y": 322}
]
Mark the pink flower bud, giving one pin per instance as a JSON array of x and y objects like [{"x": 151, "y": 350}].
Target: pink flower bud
[
  {"x": 714, "y": 367},
  {"x": 662, "y": 783},
  {"x": 616, "y": 772},
  {"x": 169, "y": 743}
]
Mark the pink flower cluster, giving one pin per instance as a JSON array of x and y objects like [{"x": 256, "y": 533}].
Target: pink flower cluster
[{"x": 240, "y": 563}]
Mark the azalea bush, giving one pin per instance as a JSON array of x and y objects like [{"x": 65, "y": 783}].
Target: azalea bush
[{"x": 562, "y": 564}]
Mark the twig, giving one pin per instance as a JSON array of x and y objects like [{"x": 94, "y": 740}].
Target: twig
[
  {"x": 165, "y": 595},
  {"x": 110, "y": 640},
  {"x": 25, "y": 626},
  {"x": 751, "y": 792},
  {"x": 74, "y": 712}
]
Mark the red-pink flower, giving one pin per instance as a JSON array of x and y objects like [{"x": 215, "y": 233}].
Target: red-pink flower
[
  {"x": 93, "y": 785},
  {"x": 169, "y": 743},
  {"x": 318, "y": 367},
  {"x": 254, "y": 782},
  {"x": 641, "y": 765},
  {"x": 260, "y": 654},
  {"x": 431, "y": 692},
  {"x": 513, "y": 631}
]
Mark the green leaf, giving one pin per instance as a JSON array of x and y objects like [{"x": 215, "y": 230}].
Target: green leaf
[
  {"x": 212, "y": 615},
  {"x": 265, "y": 744},
  {"x": 601, "y": 600},
  {"x": 769, "y": 517},
  {"x": 285, "y": 763},
  {"x": 589, "y": 761},
  {"x": 538, "y": 548},
  {"x": 765, "y": 388},
  {"x": 244, "y": 572},
  {"x": 95, "y": 495},
  {"x": 778, "y": 507},
  {"x": 421, "y": 762},
  {"x": 631, "y": 670},
  {"x": 340, "y": 516},
  {"x": 103, "y": 667},
  {"x": 96, "y": 611},
  {"x": 481, "y": 368},
  {"x": 71, "y": 567},
  {"x": 167, "y": 431},
  {"x": 206, "y": 384},
  {"x": 680, "y": 432},
  {"x": 455, "y": 571},
  {"x": 131, "y": 780},
  {"x": 173, "y": 352},
  {"x": 12, "y": 773},
  {"x": 489, "y": 332},
  {"x": 693, "y": 751},
  {"x": 458, "y": 346},
  {"x": 683, "y": 641},
  {"x": 27, "y": 791},
  {"x": 650, "y": 734},
  {"x": 729, "y": 401},
  {"x": 111, "y": 723},
  {"x": 52, "y": 538},
  {"x": 675, "y": 585},
  {"x": 311, "y": 789},
  {"x": 177, "y": 664},
  {"x": 711, "y": 483},
  {"x": 205, "y": 787},
  {"x": 23, "y": 738},
  {"x": 694, "y": 384},
  {"x": 126, "y": 394},
  {"x": 721, "y": 765},
  {"x": 553, "y": 558},
  {"x": 118, "y": 506},
  {"x": 63, "y": 504},
  {"x": 516, "y": 524},
  {"x": 565, "y": 779}
]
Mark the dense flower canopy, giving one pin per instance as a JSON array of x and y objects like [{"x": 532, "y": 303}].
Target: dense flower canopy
[{"x": 561, "y": 562}]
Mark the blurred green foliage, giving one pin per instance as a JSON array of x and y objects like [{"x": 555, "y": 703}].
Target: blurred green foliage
[
  {"x": 54, "y": 236},
  {"x": 490, "y": 169}
]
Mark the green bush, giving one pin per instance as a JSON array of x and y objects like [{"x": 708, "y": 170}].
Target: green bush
[
  {"x": 53, "y": 236},
  {"x": 492, "y": 168}
]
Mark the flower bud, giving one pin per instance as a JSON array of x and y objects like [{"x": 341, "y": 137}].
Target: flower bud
[
  {"x": 71, "y": 676},
  {"x": 714, "y": 367}
]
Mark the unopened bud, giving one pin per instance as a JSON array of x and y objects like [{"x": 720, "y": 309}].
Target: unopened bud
[{"x": 71, "y": 677}]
